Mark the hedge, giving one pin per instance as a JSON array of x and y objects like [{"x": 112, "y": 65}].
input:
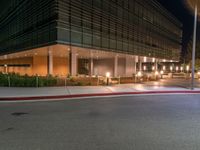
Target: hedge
[{"x": 15, "y": 80}]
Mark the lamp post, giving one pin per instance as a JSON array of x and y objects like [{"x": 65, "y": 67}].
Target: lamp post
[
  {"x": 193, "y": 4},
  {"x": 194, "y": 48}
]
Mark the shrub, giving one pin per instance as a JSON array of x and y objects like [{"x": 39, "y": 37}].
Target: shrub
[{"x": 26, "y": 81}]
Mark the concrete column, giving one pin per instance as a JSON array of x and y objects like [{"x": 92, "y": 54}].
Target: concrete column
[
  {"x": 135, "y": 64},
  {"x": 73, "y": 63},
  {"x": 50, "y": 61},
  {"x": 156, "y": 65},
  {"x": 140, "y": 63},
  {"x": 91, "y": 67},
  {"x": 129, "y": 68},
  {"x": 116, "y": 66}
]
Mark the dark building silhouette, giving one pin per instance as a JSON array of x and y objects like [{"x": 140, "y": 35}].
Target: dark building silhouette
[{"x": 69, "y": 36}]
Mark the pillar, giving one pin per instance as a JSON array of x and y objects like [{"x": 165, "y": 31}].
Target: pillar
[
  {"x": 50, "y": 61},
  {"x": 140, "y": 63},
  {"x": 73, "y": 63},
  {"x": 91, "y": 67},
  {"x": 129, "y": 66},
  {"x": 116, "y": 66},
  {"x": 135, "y": 64},
  {"x": 156, "y": 65}
]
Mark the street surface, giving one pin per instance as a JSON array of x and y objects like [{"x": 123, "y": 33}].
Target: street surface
[{"x": 170, "y": 122}]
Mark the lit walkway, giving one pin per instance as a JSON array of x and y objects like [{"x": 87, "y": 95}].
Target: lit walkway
[{"x": 163, "y": 85}]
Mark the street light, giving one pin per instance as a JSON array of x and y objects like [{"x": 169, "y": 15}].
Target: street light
[
  {"x": 194, "y": 47},
  {"x": 194, "y": 5}
]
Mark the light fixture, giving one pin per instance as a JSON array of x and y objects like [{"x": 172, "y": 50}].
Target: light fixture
[
  {"x": 177, "y": 68},
  {"x": 145, "y": 59},
  {"x": 107, "y": 74},
  {"x": 139, "y": 74},
  {"x": 153, "y": 59},
  {"x": 171, "y": 68},
  {"x": 181, "y": 69},
  {"x": 164, "y": 68},
  {"x": 153, "y": 68},
  {"x": 161, "y": 72},
  {"x": 187, "y": 67},
  {"x": 156, "y": 73},
  {"x": 145, "y": 68}
]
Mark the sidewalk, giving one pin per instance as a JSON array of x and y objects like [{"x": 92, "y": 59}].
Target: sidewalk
[{"x": 87, "y": 91}]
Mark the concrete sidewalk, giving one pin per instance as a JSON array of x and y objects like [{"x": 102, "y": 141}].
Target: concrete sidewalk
[{"x": 79, "y": 91}]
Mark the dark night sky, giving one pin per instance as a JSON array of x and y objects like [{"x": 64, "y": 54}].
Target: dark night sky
[{"x": 179, "y": 9}]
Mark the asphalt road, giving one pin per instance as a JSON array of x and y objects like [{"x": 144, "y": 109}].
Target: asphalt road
[{"x": 123, "y": 123}]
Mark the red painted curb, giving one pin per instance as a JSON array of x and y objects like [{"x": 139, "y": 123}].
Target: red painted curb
[{"x": 93, "y": 95}]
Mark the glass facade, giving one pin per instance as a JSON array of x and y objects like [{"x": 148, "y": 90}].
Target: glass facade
[
  {"x": 27, "y": 24},
  {"x": 137, "y": 27}
]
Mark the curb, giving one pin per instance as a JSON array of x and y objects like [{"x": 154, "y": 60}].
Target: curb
[{"x": 31, "y": 98}]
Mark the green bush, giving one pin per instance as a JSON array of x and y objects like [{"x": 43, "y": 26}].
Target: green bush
[
  {"x": 26, "y": 81},
  {"x": 3, "y": 80}
]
